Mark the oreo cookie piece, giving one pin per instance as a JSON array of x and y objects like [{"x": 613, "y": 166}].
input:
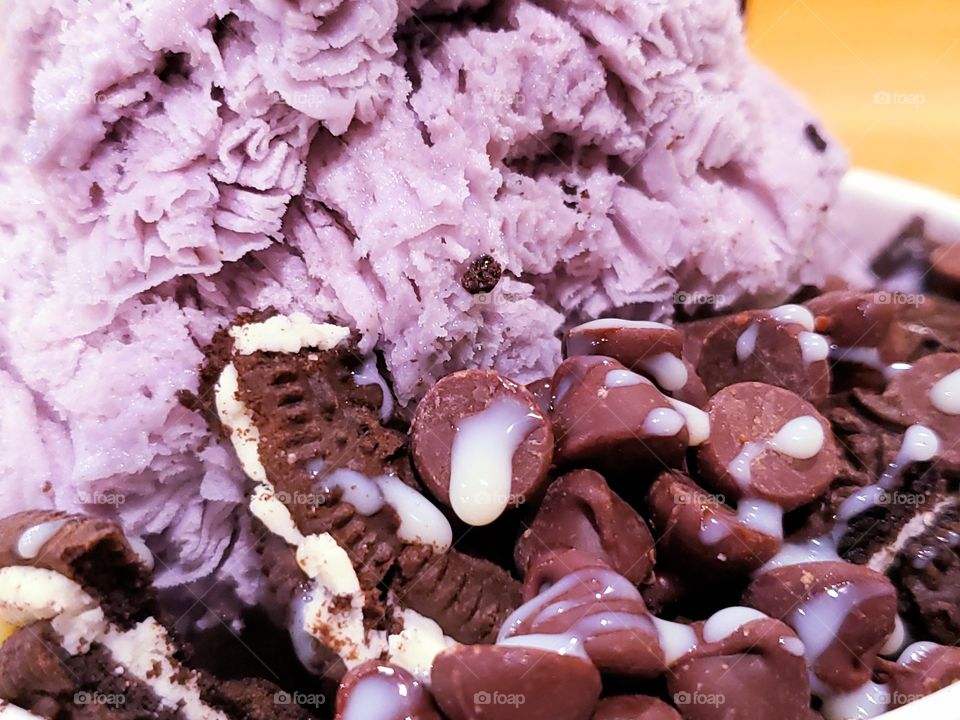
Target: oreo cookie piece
[
  {"x": 334, "y": 484},
  {"x": 81, "y": 637},
  {"x": 926, "y": 571}
]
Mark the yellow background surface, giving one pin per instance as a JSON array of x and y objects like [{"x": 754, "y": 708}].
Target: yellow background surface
[{"x": 883, "y": 74}]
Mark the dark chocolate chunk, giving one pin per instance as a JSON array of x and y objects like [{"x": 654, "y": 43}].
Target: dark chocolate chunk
[
  {"x": 751, "y": 673},
  {"x": 756, "y": 346},
  {"x": 482, "y": 275},
  {"x": 634, "y": 707},
  {"x": 581, "y": 512},
  {"x": 843, "y": 613},
  {"x": 613, "y": 420},
  {"x": 467, "y": 596},
  {"x": 697, "y": 533},
  {"x": 764, "y": 444},
  {"x": 389, "y": 692},
  {"x": 815, "y": 138},
  {"x": 494, "y": 682},
  {"x": 515, "y": 418}
]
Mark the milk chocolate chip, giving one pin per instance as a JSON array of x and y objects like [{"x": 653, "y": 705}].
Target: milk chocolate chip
[
  {"x": 589, "y": 605},
  {"x": 634, "y": 707},
  {"x": 699, "y": 533},
  {"x": 611, "y": 419},
  {"x": 842, "y": 612},
  {"x": 922, "y": 669},
  {"x": 744, "y": 668},
  {"x": 580, "y": 511},
  {"x": 494, "y": 682},
  {"x": 853, "y": 319},
  {"x": 649, "y": 348},
  {"x": 384, "y": 691},
  {"x": 481, "y": 443},
  {"x": 929, "y": 394},
  {"x": 777, "y": 347},
  {"x": 767, "y": 443}
]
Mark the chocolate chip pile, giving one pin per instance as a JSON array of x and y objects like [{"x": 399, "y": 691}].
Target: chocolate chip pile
[{"x": 747, "y": 516}]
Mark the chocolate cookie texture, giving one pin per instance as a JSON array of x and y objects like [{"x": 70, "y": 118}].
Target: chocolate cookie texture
[
  {"x": 80, "y": 636},
  {"x": 480, "y": 444},
  {"x": 336, "y": 486}
]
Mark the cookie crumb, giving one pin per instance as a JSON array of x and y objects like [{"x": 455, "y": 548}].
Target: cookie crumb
[{"x": 482, "y": 276}]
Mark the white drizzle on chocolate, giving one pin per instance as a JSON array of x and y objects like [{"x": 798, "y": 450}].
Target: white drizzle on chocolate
[
  {"x": 919, "y": 444},
  {"x": 868, "y": 357},
  {"x": 801, "y": 438},
  {"x": 663, "y": 422},
  {"x": 481, "y": 460},
  {"x": 318, "y": 614},
  {"x": 945, "y": 394},
  {"x": 813, "y": 346},
  {"x": 747, "y": 342},
  {"x": 598, "y": 586},
  {"x": 368, "y": 374},
  {"x": 32, "y": 540},
  {"x": 667, "y": 369},
  {"x": 867, "y": 701}
]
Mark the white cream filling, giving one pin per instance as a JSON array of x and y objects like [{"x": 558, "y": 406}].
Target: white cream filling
[
  {"x": 29, "y": 594},
  {"x": 319, "y": 556},
  {"x": 286, "y": 333},
  {"x": 12, "y": 712}
]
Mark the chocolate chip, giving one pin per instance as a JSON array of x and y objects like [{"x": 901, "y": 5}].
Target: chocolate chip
[
  {"x": 634, "y": 707},
  {"x": 842, "y": 612},
  {"x": 389, "y": 691},
  {"x": 542, "y": 390},
  {"x": 700, "y": 534},
  {"x": 493, "y": 682},
  {"x": 814, "y": 137},
  {"x": 482, "y": 275},
  {"x": 613, "y": 420},
  {"x": 581, "y": 512},
  {"x": 468, "y": 417},
  {"x": 759, "y": 347},
  {"x": 911, "y": 395},
  {"x": 635, "y": 344},
  {"x": 751, "y": 673},
  {"x": 767, "y": 443},
  {"x": 580, "y": 597},
  {"x": 853, "y": 319},
  {"x": 922, "y": 670}
]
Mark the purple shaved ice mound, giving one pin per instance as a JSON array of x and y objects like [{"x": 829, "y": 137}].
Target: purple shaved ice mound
[{"x": 166, "y": 166}]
